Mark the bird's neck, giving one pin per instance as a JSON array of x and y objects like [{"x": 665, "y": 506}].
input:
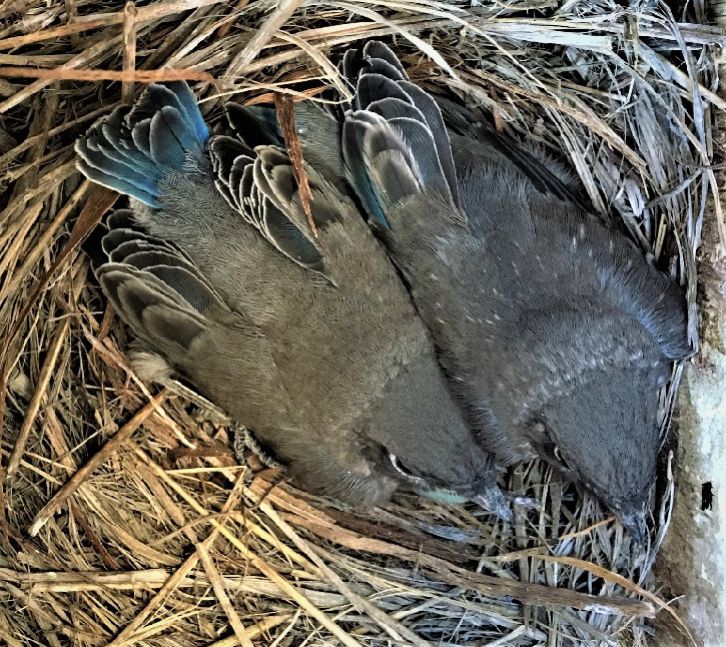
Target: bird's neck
[{"x": 552, "y": 356}]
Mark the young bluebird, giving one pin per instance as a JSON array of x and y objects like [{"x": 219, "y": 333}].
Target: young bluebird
[
  {"x": 553, "y": 329},
  {"x": 310, "y": 341}
]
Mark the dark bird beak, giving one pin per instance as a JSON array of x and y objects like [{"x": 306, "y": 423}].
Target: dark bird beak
[
  {"x": 492, "y": 500},
  {"x": 634, "y": 523}
]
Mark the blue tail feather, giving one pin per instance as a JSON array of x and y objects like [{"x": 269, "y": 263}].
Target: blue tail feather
[
  {"x": 357, "y": 172},
  {"x": 140, "y": 136},
  {"x": 117, "y": 184},
  {"x": 109, "y": 165},
  {"x": 189, "y": 103},
  {"x": 167, "y": 137},
  {"x": 132, "y": 150},
  {"x": 135, "y": 160}
]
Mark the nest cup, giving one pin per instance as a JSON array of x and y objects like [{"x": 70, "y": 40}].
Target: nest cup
[{"x": 127, "y": 517}]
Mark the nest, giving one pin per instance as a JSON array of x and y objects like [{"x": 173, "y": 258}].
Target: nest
[{"x": 126, "y": 517}]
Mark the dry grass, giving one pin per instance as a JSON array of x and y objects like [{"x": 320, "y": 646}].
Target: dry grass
[{"x": 127, "y": 520}]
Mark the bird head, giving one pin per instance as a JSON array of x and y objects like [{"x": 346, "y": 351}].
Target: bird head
[
  {"x": 425, "y": 442},
  {"x": 603, "y": 434}
]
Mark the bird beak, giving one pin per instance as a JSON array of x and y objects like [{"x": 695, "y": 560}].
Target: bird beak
[
  {"x": 634, "y": 523},
  {"x": 492, "y": 500}
]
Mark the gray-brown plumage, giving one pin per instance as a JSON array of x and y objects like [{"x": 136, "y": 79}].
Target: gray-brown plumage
[
  {"x": 312, "y": 343},
  {"x": 553, "y": 329}
]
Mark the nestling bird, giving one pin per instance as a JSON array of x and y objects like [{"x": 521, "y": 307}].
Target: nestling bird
[
  {"x": 311, "y": 342},
  {"x": 553, "y": 329}
]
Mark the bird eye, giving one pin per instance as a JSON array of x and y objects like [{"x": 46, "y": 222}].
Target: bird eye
[
  {"x": 403, "y": 470},
  {"x": 549, "y": 446},
  {"x": 558, "y": 455}
]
